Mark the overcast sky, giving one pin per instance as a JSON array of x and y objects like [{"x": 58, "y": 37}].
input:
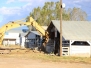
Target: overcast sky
[{"x": 11, "y": 10}]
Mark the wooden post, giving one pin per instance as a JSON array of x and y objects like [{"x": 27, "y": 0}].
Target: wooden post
[
  {"x": 60, "y": 27},
  {"x": 71, "y": 41},
  {"x": 90, "y": 50},
  {"x": 70, "y": 48}
]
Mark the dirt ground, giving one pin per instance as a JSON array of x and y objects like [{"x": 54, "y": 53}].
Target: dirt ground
[
  {"x": 29, "y": 63},
  {"x": 21, "y": 59}
]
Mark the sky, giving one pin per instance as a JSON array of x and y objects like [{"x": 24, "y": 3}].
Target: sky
[{"x": 12, "y": 10}]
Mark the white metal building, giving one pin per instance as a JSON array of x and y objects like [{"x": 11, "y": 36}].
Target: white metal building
[
  {"x": 76, "y": 37},
  {"x": 12, "y": 37}
]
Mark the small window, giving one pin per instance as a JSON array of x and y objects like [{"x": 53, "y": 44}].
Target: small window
[{"x": 80, "y": 43}]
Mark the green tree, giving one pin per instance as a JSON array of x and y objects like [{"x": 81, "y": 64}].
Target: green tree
[{"x": 51, "y": 11}]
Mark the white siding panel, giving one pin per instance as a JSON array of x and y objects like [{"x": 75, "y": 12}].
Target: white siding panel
[
  {"x": 5, "y": 42},
  {"x": 11, "y": 42},
  {"x": 18, "y": 40},
  {"x": 80, "y": 51},
  {"x": 23, "y": 42},
  {"x": 12, "y": 35}
]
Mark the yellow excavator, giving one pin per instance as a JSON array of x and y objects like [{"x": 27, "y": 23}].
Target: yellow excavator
[{"x": 15, "y": 24}]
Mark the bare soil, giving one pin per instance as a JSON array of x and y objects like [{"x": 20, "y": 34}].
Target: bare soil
[
  {"x": 29, "y": 63},
  {"x": 22, "y": 59}
]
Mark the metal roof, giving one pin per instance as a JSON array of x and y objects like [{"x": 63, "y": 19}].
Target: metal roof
[
  {"x": 74, "y": 30},
  {"x": 35, "y": 32},
  {"x": 17, "y": 31}
]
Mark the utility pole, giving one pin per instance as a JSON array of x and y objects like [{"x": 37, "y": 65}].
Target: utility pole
[{"x": 60, "y": 27}]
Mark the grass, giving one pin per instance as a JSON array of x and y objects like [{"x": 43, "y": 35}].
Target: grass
[{"x": 29, "y": 54}]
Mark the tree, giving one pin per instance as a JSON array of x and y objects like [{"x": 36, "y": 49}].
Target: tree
[
  {"x": 77, "y": 14},
  {"x": 51, "y": 11}
]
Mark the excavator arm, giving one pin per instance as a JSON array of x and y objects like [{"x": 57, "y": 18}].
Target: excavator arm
[
  {"x": 43, "y": 32},
  {"x": 9, "y": 26},
  {"x": 12, "y": 25}
]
